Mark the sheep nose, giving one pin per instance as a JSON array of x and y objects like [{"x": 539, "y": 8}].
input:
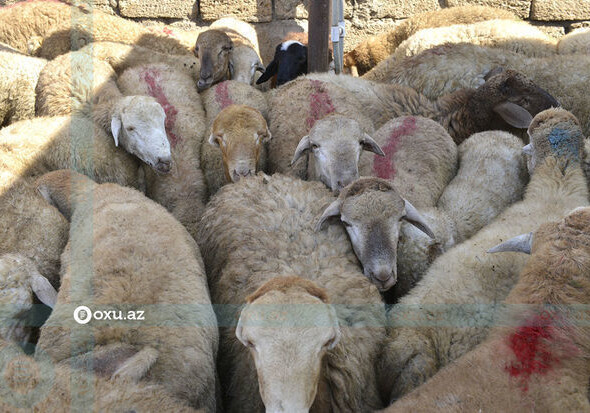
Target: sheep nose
[
  {"x": 383, "y": 278},
  {"x": 241, "y": 172},
  {"x": 164, "y": 165}
]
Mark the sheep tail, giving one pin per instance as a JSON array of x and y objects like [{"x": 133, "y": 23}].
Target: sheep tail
[
  {"x": 57, "y": 188},
  {"x": 135, "y": 367}
]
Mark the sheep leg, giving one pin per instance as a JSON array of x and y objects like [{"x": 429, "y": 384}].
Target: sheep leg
[{"x": 137, "y": 366}]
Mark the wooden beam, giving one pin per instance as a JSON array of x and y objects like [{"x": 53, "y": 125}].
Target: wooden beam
[{"x": 320, "y": 12}]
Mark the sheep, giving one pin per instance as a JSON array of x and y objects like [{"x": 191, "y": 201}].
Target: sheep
[
  {"x": 32, "y": 147},
  {"x": 239, "y": 131},
  {"x": 17, "y": 86},
  {"x": 295, "y": 108},
  {"x": 506, "y": 100},
  {"x": 516, "y": 36},
  {"x": 48, "y": 29},
  {"x": 276, "y": 214},
  {"x": 228, "y": 50},
  {"x": 446, "y": 68},
  {"x": 536, "y": 356},
  {"x": 40, "y": 385},
  {"x": 215, "y": 99},
  {"x": 336, "y": 157},
  {"x": 20, "y": 278},
  {"x": 76, "y": 82},
  {"x": 575, "y": 42},
  {"x": 370, "y": 52},
  {"x": 466, "y": 275},
  {"x": 183, "y": 190},
  {"x": 136, "y": 247}
]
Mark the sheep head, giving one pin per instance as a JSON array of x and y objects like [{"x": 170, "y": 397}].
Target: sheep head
[
  {"x": 335, "y": 144},
  {"x": 245, "y": 63},
  {"x": 289, "y": 62},
  {"x": 213, "y": 49},
  {"x": 288, "y": 326},
  {"x": 508, "y": 99},
  {"x": 19, "y": 279},
  {"x": 371, "y": 210},
  {"x": 239, "y": 131},
  {"x": 554, "y": 132},
  {"x": 138, "y": 123}
]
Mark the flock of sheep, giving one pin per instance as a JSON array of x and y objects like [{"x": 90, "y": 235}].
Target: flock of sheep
[{"x": 294, "y": 242}]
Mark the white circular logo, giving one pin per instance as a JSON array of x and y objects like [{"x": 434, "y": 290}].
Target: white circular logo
[{"x": 82, "y": 314}]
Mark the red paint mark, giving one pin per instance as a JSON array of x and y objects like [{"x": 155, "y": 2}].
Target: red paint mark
[
  {"x": 383, "y": 166},
  {"x": 531, "y": 351},
  {"x": 152, "y": 77},
  {"x": 320, "y": 103},
  {"x": 222, "y": 95},
  {"x": 169, "y": 32}
]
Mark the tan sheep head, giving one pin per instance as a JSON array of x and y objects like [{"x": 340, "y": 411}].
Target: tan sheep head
[
  {"x": 288, "y": 326},
  {"x": 139, "y": 125},
  {"x": 371, "y": 210},
  {"x": 213, "y": 49},
  {"x": 240, "y": 132},
  {"x": 335, "y": 144},
  {"x": 19, "y": 279}
]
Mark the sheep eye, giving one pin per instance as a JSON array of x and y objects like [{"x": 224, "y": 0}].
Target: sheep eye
[
  {"x": 346, "y": 224},
  {"x": 314, "y": 146},
  {"x": 130, "y": 129},
  {"x": 249, "y": 344}
]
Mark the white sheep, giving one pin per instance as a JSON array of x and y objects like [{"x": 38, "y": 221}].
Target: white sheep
[
  {"x": 373, "y": 50},
  {"x": 32, "y": 147},
  {"x": 228, "y": 50},
  {"x": 49, "y": 29},
  {"x": 536, "y": 355},
  {"x": 462, "y": 284},
  {"x": 507, "y": 99},
  {"x": 215, "y": 99},
  {"x": 575, "y": 42},
  {"x": 17, "y": 86},
  {"x": 76, "y": 82},
  {"x": 183, "y": 189},
  {"x": 260, "y": 248},
  {"x": 137, "y": 247}
]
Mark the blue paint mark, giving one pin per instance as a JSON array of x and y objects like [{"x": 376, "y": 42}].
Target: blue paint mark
[{"x": 565, "y": 143}]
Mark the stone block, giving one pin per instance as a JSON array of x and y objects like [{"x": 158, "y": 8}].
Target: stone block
[
  {"x": 551, "y": 10},
  {"x": 299, "y": 9},
  {"x": 553, "y": 30},
  {"x": 399, "y": 9},
  {"x": 247, "y": 10},
  {"x": 519, "y": 7},
  {"x": 182, "y": 9}
]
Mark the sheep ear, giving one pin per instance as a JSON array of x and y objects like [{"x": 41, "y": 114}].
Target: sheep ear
[
  {"x": 527, "y": 149},
  {"x": 495, "y": 71},
  {"x": 259, "y": 67},
  {"x": 370, "y": 145},
  {"x": 231, "y": 70},
  {"x": 303, "y": 145},
  {"x": 514, "y": 115},
  {"x": 214, "y": 139},
  {"x": 520, "y": 243},
  {"x": 414, "y": 218},
  {"x": 333, "y": 210},
  {"x": 239, "y": 329},
  {"x": 116, "y": 128},
  {"x": 44, "y": 290},
  {"x": 271, "y": 70}
]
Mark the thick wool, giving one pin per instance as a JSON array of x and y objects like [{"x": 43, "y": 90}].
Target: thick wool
[
  {"x": 36, "y": 146},
  {"x": 125, "y": 250},
  {"x": 466, "y": 277},
  {"x": 49, "y": 28},
  {"x": 575, "y": 42},
  {"x": 263, "y": 227},
  {"x": 536, "y": 357},
  {"x": 182, "y": 191},
  {"x": 17, "y": 86},
  {"x": 447, "y": 68},
  {"x": 370, "y": 52},
  {"x": 215, "y": 99},
  {"x": 294, "y": 109}
]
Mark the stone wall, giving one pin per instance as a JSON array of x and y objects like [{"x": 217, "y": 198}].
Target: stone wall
[{"x": 274, "y": 18}]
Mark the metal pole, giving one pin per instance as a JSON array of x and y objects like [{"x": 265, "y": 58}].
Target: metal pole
[
  {"x": 319, "y": 35},
  {"x": 337, "y": 34}
]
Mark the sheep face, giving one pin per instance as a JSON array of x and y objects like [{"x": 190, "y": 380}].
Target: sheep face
[
  {"x": 288, "y": 336},
  {"x": 213, "y": 49},
  {"x": 19, "y": 278},
  {"x": 239, "y": 131},
  {"x": 371, "y": 211},
  {"x": 140, "y": 127},
  {"x": 289, "y": 62},
  {"x": 245, "y": 63},
  {"x": 335, "y": 144},
  {"x": 509, "y": 98}
]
